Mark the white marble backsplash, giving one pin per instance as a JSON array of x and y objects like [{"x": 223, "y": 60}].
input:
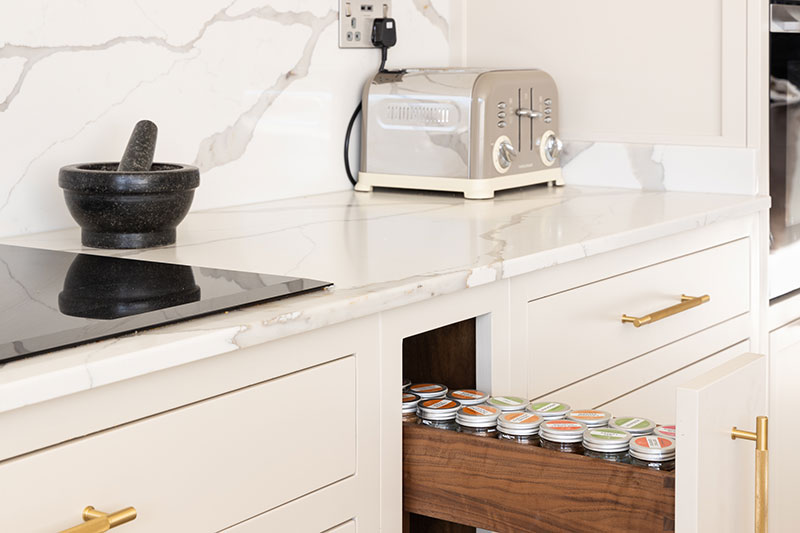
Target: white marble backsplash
[
  {"x": 661, "y": 167},
  {"x": 255, "y": 92}
]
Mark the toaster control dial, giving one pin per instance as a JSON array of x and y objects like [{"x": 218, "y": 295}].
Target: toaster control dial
[
  {"x": 503, "y": 153},
  {"x": 550, "y": 148}
]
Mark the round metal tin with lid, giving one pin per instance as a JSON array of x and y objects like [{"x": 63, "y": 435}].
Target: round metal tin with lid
[
  {"x": 519, "y": 423},
  {"x": 406, "y": 384},
  {"x": 410, "y": 401},
  {"x": 591, "y": 417},
  {"x": 562, "y": 430},
  {"x": 437, "y": 409},
  {"x": 606, "y": 440},
  {"x": 428, "y": 390},
  {"x": 478, "y": 416},
  {"x": 665, "y": 431},
  {"x": 508, "y": 403},
  {"x": 468, "y": 396},
  {"x": 653, "y": 448},
  {"x": 633, "y": 425},
  {"x": 549, "y": 410}
]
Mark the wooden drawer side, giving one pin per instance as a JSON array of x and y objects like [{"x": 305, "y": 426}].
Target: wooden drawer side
[{"x": 507, "y": 487}]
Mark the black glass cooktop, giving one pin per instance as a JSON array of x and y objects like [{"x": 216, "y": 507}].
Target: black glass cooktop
[{"x": 51, "y": 299}]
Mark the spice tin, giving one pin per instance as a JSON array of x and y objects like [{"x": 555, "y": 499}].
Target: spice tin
[
  {"x": 665, "y": 431},
  {"x": 428, "y": 390},
  {"x": 549, "y": 410},
  {"x": 606, "y": 440},
  {"x": 519, "y": 423},
  {"x": 508, "y": 403},
  {"x": 437, "y": 409},
  {"x": 410, "y": 401},
  {"x": 633, "y": 425},
  {"x": 468, "y": 396},
  {"x": 562, "y": 430},
  {"x": 478, "y": 416},
  {"x": 653, "y": 448},
  {"x": 591, "y": 417},
  {"x": 406, "y": 384}
]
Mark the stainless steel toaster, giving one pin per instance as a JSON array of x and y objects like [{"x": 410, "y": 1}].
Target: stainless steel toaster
[{"x": 474, "y": 131}]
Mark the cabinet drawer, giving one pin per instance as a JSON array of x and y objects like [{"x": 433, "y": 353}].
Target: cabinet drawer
[
  {"x": 330, "y": 509},
  {"x": 200, "y": 468},
  {"x": 583, "y": 325},
  {"x": 504, "y": 486},
  {"x": 646, "y": 385}
]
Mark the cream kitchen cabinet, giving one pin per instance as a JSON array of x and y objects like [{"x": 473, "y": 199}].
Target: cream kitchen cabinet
[
  {"x": 566, "y": 342},
  {"x": 304, "y": 442},
  {"x": 299, "y": 429},
  {"x": 784, "y": 432},
  {"x": 691, "y": 88}
]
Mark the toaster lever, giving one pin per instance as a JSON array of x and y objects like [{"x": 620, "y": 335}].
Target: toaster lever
[{"x": 530, "y": 113}]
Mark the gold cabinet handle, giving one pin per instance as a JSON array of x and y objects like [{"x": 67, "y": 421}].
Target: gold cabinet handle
[
  {"x": 95, "y": 521},
  {"x": 687, "y": 302},
  {"x": 762, "y": 468}
]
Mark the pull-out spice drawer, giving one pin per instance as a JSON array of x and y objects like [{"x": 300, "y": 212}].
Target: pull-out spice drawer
[
  {"x": 504, "y": 486},
  {"x": 579, "y": 332}
]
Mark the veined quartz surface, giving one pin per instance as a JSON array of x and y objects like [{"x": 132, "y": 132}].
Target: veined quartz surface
[
  {"x": 382, "y": 250},
  {"x": 249, "y": 91}
]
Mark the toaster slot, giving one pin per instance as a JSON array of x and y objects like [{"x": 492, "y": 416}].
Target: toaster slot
[
  {"x": 531, "y": 125},
  {"x": 524, "y": 124}
]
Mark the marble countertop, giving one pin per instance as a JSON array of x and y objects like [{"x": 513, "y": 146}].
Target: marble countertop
[{"x": 381, "y": 250}]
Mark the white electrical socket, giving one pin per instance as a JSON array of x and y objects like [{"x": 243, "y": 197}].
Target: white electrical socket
[{"x": 355, "y": 21}]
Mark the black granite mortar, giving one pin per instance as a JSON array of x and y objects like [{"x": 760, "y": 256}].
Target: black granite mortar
[{"x": 131, "y": 204}]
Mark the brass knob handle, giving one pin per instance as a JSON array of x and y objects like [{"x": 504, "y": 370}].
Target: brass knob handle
[
  {"x": 687, "y": 302},
  {"x": 95, "y": 521},
  {"x": 762, "y": 468}
]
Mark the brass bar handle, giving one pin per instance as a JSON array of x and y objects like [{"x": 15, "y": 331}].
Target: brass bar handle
[
  {"x": 762, "y": 468},
  {"x": 95, "y": 521},
  {"x": 687, "y": 302}
]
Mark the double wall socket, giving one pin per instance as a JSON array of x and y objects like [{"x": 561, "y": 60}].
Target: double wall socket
[{"x": 355, "y": 21}]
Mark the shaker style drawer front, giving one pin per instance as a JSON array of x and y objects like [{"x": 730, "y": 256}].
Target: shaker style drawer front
[
  {"x": 647, "y": 384},
  {"x": 330, "y": 509},
  {"x": 504, "y": 486},
  {"x": 200, "y": 468},
  {"x": 580, "y": 332}
]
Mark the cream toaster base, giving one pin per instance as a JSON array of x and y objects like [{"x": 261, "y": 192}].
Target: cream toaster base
[{"x": 473, "y": 189}]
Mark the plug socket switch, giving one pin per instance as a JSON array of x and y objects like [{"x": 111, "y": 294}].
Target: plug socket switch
[{"x": 356, "y": 18}]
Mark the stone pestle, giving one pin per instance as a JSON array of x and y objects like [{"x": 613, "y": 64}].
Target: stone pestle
[{"x": 138, "y": 156}]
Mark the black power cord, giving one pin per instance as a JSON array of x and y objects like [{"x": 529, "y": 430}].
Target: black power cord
[{"x": 384, "y": 36}]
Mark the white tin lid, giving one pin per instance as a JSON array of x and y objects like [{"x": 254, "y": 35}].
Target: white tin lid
[
  {"x": 410, "y": 401},
  {"x": 508, "y": 403},
  {"x": 468, "y": 396},
  {"x": 591, "y": 417},
  {"x": 666, "y": 431},
  {"x": 428, "y": 390},
  {"x": 653, "y": 448},
  {"x": 549, "y": 410},
  {"x": 478, "y": 416},
  {"x": 606, "y": 440},
  {"x": 406, "y": 384},
  {"x": 562, "y": 430},
  {"x": 437, "y": 409},
  {"x": 521, "y": 424},
  {"x": 633, "y": 425}
]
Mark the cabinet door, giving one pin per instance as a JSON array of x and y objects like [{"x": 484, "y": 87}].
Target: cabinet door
[
  {"x": 715, "y": 485},
  {"x": 784, "y": 432}
]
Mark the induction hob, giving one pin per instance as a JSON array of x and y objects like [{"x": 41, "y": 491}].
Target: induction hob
[{"x": 52, "y": 299}]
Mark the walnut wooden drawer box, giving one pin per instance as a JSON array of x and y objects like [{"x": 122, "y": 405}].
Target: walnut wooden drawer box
[{"x": 508, "y": 487}]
